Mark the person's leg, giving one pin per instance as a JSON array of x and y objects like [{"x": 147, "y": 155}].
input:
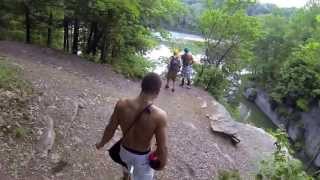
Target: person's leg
[
  {"x": 173, "y": 85},
  {"x": 167, "y": 85},
  {"x": 182, "y": 82},
  {"x": 188, "y": 76},
  {"x": 126, "y": 175},
  {"x": 142, "y": 169},
  {"x": 126, "y": 158},
  {"x": 189, "y": 82}
]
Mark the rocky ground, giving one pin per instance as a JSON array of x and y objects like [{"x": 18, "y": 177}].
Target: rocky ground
[{"x": 78, "y": 97}]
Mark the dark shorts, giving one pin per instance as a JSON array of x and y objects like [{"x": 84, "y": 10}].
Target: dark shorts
[{"x": 172, "y": 75}]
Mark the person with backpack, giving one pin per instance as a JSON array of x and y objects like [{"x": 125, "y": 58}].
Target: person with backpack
[
  {"x": 187, "y": 62},
  {"x": 173, "y": 69},
  {"x": 140, "y": 120}
]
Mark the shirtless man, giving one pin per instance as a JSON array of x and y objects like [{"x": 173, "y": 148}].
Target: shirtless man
[
  {"x": 136, "y": 146},
  {"x": 187, "y": 61}
]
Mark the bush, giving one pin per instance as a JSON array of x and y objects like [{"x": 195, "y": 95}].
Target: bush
[
  {"x": 299, "y": 80},
  {"x": 229, "y": 175},
  {"x": 133, "y": 66},
  {"x": 212, "y": 79},
  {"x": 282, "y": 165},
  {"x": 20, "y": 132}
]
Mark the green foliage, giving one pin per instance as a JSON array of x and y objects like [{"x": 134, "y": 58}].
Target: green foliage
[
  {"x": 20, "y": 132},
  {"x": 271, "y": 50},
  {"x": 229, "y": 38},
  {"x": 110, "y": 29},
  {"x": 286, "y": 59},
  {"x": 282, "y": 165},
  {"x": 229, "y": 175},
  {"x": 194, "y": 46},
  {"x": 229, "y": 34},
  {"x": 232, "y": 108},
  {"x": 212, "y": 79},
  {"x": 133, "y": 66},
  {"x": 299, "y": 78}
]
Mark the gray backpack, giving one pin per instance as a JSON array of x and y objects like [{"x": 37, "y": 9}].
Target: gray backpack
[{"x": 174, "y": 64}]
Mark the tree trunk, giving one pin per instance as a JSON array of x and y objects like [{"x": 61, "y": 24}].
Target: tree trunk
[
  {"x": 27, "y": 24},
  {"x": 66, "y": 35},
  {"x": 89, "y": 41},
  {"x": 75, "y": 46},
  {"x": 49, "y": 40},
  {"x": 103, "y": 50},
  {"x": 220, "y": 60},
  {"x": 97, "y": 35}
]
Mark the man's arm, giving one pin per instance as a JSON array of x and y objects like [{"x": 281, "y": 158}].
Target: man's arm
[
  {"x": 161, "y": 138},
  {"x": 110, "y": 128},
  {"x": 192, "y": 60},
  {"x": 169, "y": 64}
]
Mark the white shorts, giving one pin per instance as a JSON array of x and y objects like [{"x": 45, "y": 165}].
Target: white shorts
[{"x": 138, "y": 165}]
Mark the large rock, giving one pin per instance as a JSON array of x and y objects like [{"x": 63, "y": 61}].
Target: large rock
[
  {"x": 251, "y": 94},
  {"x": 306, "y": 129},
  {"x": 317, "y": 161},
  {"x": 263, "y": 102},
  {"x": 312, "y": 127},
  {"x": 296, "y": 130}
]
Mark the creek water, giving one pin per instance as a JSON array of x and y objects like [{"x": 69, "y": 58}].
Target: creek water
[{"x": 249, "y": 112}]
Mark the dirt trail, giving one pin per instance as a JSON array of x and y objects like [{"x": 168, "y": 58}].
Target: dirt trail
[{"x": 66, "y": 81}]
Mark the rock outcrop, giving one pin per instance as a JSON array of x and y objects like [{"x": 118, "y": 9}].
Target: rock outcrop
[{"x": 305, "y": 130}]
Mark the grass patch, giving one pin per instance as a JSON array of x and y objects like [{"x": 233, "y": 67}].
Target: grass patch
[
  {"x": 10, "y": 78},
  {"x": 229, "y": 175},
  {"x": 232, "y": 109},
  {"x": 15, "y": 94},
  {"x": 20, "y": 132}
]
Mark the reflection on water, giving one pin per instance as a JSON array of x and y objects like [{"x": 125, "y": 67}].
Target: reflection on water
[
  {"x": 159, "y": 56},
  {"x": 189, "y": 37},
  {"x": 251, "y": 114},
  {"x": 181, "y": 36}
]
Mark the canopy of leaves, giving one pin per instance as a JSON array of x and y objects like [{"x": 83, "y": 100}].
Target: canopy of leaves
[
  {"x": 229, "y": 33},
  {"x": 287, "y": 58},
  {"x": 111, "y": 29}
]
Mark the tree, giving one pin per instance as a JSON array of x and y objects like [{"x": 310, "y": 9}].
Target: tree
[
  {"x": 286, "y": 62},
  {"x": 111, "y": 29},
  {"x": 282, "y": 165},
  {"x": 299, "y": 80},
  {"x": 229, "y": 33},
  {"x": 272, "y": 49}
]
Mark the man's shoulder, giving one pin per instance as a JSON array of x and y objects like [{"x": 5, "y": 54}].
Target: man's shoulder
[
  {"x": 123, "y": 103},
  {"x": 159, "y": 114}
]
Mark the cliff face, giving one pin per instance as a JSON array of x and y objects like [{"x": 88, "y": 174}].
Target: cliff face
[{"x": 305, "y": 131}]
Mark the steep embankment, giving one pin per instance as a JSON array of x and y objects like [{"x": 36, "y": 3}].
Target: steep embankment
[
  {"x": 304, "y": 130},
  {"x": 79, "y": 97}
]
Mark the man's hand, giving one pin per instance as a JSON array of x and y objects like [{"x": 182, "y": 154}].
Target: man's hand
[
  {"x": 110, "y": 129},
  {"x": 99, "y": 146}
]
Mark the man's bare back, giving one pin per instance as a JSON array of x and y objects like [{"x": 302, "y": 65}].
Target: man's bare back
[
  {"x": 140, "y": 135},
  {"x": 136, "y": 144}
]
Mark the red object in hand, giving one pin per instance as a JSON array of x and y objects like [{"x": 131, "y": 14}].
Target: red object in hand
[
  {"x": 154, "y": 161},
  {"x": 153, "y": 157}
]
